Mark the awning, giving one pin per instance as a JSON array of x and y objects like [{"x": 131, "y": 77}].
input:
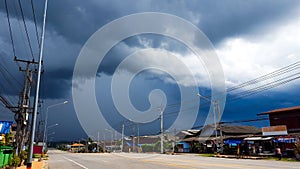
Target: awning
[
  {"x": 233, "y": 141},
  {"x": 285, "y": 140},
  {"x": 257, "y": 138},
  {"x": 5, "y": 127}
]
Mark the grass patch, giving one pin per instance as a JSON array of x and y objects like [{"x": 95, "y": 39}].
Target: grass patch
[
  {"x": 207, "y": 155},
  {"x": 282, "y": 159},
  {"x": 37, "y": 155}
]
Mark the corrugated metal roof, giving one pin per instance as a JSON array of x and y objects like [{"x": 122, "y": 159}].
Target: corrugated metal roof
[{"x": 282, "y": 110}]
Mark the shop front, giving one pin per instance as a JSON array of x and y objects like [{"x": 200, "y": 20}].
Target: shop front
[
  {"x": 258, "y": 146},
  {"x": 287, "y": 144}
]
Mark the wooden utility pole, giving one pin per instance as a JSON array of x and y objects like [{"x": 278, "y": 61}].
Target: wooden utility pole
[{"x": 24, "y": 108}]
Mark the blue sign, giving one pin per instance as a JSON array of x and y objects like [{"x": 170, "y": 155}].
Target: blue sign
[{"x": 5, "y": 127}]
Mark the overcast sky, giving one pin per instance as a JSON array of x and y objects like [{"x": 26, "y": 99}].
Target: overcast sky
[{"x": 250, "y": 38}]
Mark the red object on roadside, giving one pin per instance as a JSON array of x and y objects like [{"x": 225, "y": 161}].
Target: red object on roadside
[{"x": 37, "y": 149}]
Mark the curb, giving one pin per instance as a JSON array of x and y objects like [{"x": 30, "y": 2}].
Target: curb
[{"x": 242, "y": 157}]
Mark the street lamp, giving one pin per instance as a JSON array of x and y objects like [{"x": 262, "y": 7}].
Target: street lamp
[
  {"x": 53, "y": 125},
  {"x": 46, "y": 120}
]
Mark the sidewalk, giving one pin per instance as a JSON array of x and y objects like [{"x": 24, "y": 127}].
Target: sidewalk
[{"x": 37, "y": 165}]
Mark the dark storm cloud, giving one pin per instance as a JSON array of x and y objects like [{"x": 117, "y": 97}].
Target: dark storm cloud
[
  {"x": 56, "y": 83},
  {"x": 218, "y": 19},
  {"x": 222, "y": 19},
  {"x": 71, "y": 22},
  {"x": 76, "y": 21}
]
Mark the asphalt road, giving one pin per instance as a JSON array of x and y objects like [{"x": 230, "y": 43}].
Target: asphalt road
[{"x": 64, "y": 160}]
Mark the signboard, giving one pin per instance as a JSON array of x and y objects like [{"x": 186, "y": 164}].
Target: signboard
[
  {"x": 5, "y": 127},
  {"x": 274, "y": 130}
]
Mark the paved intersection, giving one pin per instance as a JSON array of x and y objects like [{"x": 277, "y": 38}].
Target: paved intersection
[{"x": 65, "y": 160}]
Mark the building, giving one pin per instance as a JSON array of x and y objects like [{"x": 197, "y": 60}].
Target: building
[
  {"x": 207, "y": 140},
  {"x": 285, "y": 116},
  {"x": 287, "y": 119}
]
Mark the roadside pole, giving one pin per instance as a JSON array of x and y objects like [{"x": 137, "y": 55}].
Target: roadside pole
[{"x": 36, "y": 99}]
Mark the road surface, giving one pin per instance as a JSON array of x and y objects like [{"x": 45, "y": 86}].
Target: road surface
[{"x": 64, "y": 160}]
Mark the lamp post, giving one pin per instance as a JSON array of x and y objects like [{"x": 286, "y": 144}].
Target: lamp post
[
  {"x": 46, "y": 121},
  {"x": 53, "y": 125},
  {"x": 36, "y": 98}
]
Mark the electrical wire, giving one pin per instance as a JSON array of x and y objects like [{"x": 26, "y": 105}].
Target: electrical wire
[
  {"x": 252, "y": 91},
  {"x": 276, "y": 73},
  {"x": 26, "y": 30},
  {"x": 10, "y": 30},
  {"x": 34, "y": 20}
]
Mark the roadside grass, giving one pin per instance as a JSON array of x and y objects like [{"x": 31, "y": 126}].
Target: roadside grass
[
  {"x": 207, "y": 155},
  {"x": 282, "y": 159},
  {"x": 268, "y": 158}
]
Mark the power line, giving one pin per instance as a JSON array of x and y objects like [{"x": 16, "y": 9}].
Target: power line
[
  {"x": 26, "y": 31},
  {"x": 10, "y": 31},
  {"x": 34, "y": 20},
  {"x": 15, "y": 79},
  {"x": 266, "y": 86},
  {"x": 246, "y": 93},
  {"x": 276, "y": 73}
]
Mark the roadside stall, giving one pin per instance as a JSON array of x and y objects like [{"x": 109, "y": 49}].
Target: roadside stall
[
  {"x": 287, "y": 144},
  {"x": 259, "y": 146}
]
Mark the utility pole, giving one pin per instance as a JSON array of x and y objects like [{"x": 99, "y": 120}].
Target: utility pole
[
  {"x": 138, "y": 137},
  {"x": 122, "y": 141},
  {"x": 174, "y": 140},
  {"x": 219, "y": 123},
  {"x": 104, "y": 149},
  {"x": 22, "y": 115},
  {"x": 161, "y": 131},
  {"x": 115, "y": 140},
  {"x": 98, "y": 142},
  {"x": 36, "y": 98},
  {"x": 215, "y": 121}
]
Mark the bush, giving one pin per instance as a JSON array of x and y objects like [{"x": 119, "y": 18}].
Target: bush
[
  {"x": 23, "y": 156},
  {"x": 148, "y": 148},
  {"x": 37, "y": 155},
  {"x": 14, "y": 161}
]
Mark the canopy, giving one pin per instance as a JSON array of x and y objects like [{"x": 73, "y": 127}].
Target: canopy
[
  {"x": 285, "y": 140},
  {"x": 5, "y": 127},
  {"x": 257, "y": 138},
  {"x": 232, "y": 141}
]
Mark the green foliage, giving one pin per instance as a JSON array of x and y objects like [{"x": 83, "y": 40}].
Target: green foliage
[
  {"x": 156, "y": 147},
  {"x": 148, "y": 147},
  {"x": 168, "y": 145},
  {"x": 207, "y": 155},
  {"x": 92, "y": 147},
  {"x": 9, "y": 139},
  {"x": 24, "y": 156},
  {"x": 63, "y": 147},
  {"x": 14, "y": 161},
  {"x": 37, "y": 155}
]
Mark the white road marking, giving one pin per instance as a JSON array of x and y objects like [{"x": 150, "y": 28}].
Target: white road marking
[{"x": 80, "y": 165}]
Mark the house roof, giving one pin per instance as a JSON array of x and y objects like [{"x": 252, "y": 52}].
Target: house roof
[
  {"x": 241, "y": 129},
  {"x": 233, "y": 129},
  {"x": 281, "y": 110}
]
